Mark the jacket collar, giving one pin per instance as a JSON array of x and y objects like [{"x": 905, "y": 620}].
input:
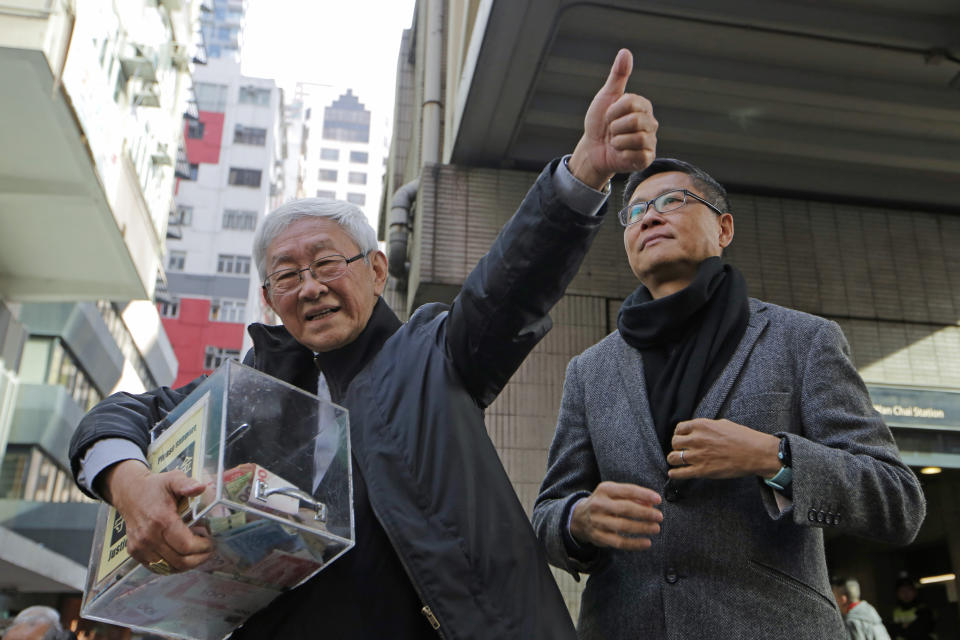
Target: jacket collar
[
  {"x": 340, "y": 366},
  {"x": 277, "y": 353}
]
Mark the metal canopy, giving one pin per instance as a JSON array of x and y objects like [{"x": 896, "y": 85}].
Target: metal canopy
[{"x": 853, "y": 99}]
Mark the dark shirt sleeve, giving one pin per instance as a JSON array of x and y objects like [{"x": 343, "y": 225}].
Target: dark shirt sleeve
[
  {"x": 501, "y": 312},
  {"x": 124, "y": 415}
]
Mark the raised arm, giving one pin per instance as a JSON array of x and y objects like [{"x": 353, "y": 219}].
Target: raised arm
[{"x": 501, "y": 311}]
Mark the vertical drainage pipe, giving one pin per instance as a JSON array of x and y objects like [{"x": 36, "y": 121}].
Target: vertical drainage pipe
[{"x": 399, "y": 225}]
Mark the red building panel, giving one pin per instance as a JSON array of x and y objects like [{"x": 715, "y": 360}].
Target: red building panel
[
  {"x": 192, "y": 332},
  {"x": 205, "y": 150}
]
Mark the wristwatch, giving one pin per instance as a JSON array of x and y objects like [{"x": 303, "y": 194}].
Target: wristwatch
[{"x": 784, "y": 477}]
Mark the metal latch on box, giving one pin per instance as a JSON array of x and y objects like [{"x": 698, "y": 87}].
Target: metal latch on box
[{"x": 262, "y": 491}]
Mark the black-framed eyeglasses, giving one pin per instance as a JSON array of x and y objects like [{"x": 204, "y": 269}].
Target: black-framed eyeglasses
[
  {"x": 663, "y": 203},
  {"x": 323, "y": 270}
]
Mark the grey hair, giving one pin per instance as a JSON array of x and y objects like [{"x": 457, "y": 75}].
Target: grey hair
[
  {"x": 848, "y": 586},
  {"x": 39, "y": 614},
  {"x": 349, "y": 216}
]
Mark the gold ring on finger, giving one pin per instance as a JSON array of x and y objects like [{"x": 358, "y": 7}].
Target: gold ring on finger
[{"x": 160, "y": 567}]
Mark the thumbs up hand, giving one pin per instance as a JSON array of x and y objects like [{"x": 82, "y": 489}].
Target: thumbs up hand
[{"x": 619, "y": 130}]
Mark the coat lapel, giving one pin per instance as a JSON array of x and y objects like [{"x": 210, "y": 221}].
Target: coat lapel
[
  {"x": 630, "y": 367},
  {"x": 710, "y": 406}
]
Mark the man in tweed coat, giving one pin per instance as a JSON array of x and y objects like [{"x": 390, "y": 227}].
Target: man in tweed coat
[{"x": 702, "y": 447}]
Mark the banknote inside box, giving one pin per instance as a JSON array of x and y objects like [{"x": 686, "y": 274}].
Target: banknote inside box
[{"x": 278, "y": 506}]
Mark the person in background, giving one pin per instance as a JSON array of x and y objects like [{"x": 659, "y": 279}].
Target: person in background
[
  {"x": 861, "y": 619},
  {"x": 38, "y": 623},
  {"x": 912, "y": 619}
]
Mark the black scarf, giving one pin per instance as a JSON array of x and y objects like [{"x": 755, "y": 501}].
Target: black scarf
[
  {"x": 340, "y": 366},
  {"x": 686, "y": 339}
]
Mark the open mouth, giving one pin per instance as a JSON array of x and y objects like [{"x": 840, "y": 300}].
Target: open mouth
[{"x": 322, "y": 314}]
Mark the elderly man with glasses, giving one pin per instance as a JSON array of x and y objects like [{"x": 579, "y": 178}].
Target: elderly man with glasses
[
  {"x": 702, "y": 448},
  {"x": 443, "y": 546}
]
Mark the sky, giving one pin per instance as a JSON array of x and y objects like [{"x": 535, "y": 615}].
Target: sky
[{"x": 349, "y": 43}]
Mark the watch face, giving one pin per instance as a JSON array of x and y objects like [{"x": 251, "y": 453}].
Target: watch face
[{"x": 783, "y": 453}]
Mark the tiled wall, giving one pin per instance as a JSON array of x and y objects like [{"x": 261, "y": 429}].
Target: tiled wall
[{"x": 890, "y": 278}]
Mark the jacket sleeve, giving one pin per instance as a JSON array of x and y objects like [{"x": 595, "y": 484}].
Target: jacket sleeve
[
  {"x": 572, "y": 473},
  {"x": 847, "y": 471},
  {"x": 124, "y": 415},
  {"x": 500, "y": 313}
]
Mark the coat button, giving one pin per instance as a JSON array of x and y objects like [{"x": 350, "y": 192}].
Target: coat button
[
  {"x": 821, "y": 516},
  {"x": 671, "y": 575},
  {"x": 812, "y": 515},
  {"x": 673, "y": 494}
]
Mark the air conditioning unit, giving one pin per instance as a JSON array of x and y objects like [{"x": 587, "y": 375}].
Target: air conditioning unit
[
  {"x": 180, "y": 56},
  {"x": 161, "y": 156}
]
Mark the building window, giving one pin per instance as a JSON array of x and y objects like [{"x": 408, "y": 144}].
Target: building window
[
  {"x": 169, "y": 308},
  {"x": 228, "y": 310},
  {"x": 237, "y": 265},
  {"x": 327, "y": 175},
  {"x": 176, "y": 260},
  {"x": 357, "y": 198},
  {"x": 124, "y": 340},
  {"x": 245, "y": 177},
  {"x": 329, "y": 154},
  {"x": 250, "y": 135},
  {"x": 213, "y": 357},
  {"x": 357, "y": 177},
  {"x": 195, "y": 129},
  {"x": 360, "y": 157},
  {"x": 182, "y": 217},
  {"x": 239, "y": 219},
  {"x": 194, "y": 172},
  {"x": 47, "y": 361},
  {"x": 210, "y": 97},
  {"x": 323, "y": 193},
  {"x": 254, "y": 95},
  {"x": 27, "y": 473}
]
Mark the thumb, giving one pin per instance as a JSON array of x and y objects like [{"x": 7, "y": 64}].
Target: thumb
[
  {"x": 620, "y": 72},
  {"x": 186, "y": 486}
]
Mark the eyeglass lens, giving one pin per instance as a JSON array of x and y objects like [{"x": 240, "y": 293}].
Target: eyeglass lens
[
  {"x": 664, "y": 203},
  {"x": 323, "y": 270}
]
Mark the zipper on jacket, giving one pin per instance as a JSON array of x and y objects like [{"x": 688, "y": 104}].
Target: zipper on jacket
[
  {"x": 432, "y": 619},
  {"x": 426, "y": 610}
]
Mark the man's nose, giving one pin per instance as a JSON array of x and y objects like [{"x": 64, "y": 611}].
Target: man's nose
[
  {"x": 651, "y": 218},
  {"x": 310, "y": 287}
]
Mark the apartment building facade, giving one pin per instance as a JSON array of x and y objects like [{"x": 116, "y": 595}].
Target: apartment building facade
[{"x": 86, "y": 182}]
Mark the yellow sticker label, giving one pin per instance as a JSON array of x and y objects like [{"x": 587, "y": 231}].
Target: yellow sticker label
[{"x": 176, "y": 448}]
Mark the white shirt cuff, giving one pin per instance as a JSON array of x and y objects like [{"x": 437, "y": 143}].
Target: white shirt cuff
[
  {"x": 104, "y": 453},
  {"x": 581, "y": 198}
]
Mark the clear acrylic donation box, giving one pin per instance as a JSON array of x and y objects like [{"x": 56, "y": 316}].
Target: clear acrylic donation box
[{"x": 278, "y": 507}]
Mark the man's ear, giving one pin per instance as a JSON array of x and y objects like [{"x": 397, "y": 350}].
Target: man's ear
[
  {"x": 265, "y": 296},
  {"x": 726, "y": 230},
  {"x": 378, "y": 262}
]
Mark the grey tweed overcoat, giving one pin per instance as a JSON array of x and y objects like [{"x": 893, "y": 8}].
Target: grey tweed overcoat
[{"x": 728, "y": 562}]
